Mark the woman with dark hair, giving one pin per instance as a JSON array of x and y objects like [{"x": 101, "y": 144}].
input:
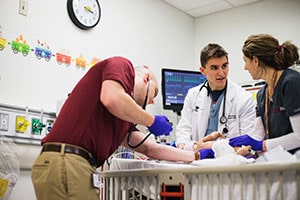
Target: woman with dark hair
[{"x": 278, "y": 102}]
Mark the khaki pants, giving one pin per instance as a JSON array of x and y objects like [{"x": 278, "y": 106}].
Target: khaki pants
[{"x": 59, "y": 176}]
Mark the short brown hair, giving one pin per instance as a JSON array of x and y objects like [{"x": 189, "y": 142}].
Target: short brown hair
[{"x": 211, "y": 51}]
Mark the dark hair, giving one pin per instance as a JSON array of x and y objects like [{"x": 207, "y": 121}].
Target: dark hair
[
  {"x": 211, "y": 51},
  {"x": 268, "y": 50}
]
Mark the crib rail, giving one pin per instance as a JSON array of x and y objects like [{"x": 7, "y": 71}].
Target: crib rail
[{"x": 252, "y": 181}]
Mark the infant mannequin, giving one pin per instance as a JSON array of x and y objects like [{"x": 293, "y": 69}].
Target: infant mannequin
[{"x": 220, "y": 146}]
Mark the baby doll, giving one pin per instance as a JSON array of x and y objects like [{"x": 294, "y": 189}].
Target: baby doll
[{"x": 220, "y": 146}]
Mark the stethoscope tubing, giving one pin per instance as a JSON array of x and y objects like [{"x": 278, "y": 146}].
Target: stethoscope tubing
[{"x": 223, "y": 118}]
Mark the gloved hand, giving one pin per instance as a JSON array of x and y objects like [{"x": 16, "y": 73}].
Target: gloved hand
[
  {"x": 160, "y": 126},
  {"x": 246, "y": 140},
  {"x": 206, "y": 153}
]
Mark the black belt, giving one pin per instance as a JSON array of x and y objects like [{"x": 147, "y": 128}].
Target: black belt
[{"x": 71, "y": 149}]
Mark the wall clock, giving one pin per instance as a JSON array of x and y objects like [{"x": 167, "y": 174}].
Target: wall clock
[{"x": 85, "y": 14}]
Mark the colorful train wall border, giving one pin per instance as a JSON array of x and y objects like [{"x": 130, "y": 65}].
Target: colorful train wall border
[{"x": 42, "y": 51}]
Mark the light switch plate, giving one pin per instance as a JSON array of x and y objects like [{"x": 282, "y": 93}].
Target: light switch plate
[{"x": 23, "y": 7}]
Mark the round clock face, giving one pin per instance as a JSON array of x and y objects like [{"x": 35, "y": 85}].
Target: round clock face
[{"x": 84, "y": 13}]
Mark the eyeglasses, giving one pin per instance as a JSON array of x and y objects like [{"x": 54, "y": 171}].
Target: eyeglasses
[{"x": 146, "y": 98}]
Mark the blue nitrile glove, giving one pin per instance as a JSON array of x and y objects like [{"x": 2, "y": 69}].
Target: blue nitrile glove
[
  {"x": 160, "y": 126},
  {"x": 206, "y": 153},
  {"x": 246, "y": 140}
]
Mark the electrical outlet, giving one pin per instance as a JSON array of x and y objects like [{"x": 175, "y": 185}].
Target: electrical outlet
[
  {"x": 4, "y": 121},
  {"x": 23, "y": 7}
]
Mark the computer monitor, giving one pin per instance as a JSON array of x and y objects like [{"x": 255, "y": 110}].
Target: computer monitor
[{"x": 175, "y": 85}]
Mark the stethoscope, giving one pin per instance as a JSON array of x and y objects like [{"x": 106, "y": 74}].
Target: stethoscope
[
  {"x": 133, "y": 126},
  {"x": 223, "y": 118}
]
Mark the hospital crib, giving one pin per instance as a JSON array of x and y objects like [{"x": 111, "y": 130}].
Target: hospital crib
[{"x": 256, "y": 181}]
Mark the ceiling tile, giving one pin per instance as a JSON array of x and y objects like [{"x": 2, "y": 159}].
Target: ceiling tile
[
  {"x": 197, "y": 8},
  {"x": 186, "y": 5},
  {"x": 237, "y": 3},
  {"x": 208, "y": 9}
]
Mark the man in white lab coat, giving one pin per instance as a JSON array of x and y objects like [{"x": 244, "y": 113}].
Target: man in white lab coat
[{"x": 216, "y": 105}]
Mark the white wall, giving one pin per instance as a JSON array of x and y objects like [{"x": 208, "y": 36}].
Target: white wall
[
  {"x": 231, "y": 28},
  {"x": 148, "y": 32}
]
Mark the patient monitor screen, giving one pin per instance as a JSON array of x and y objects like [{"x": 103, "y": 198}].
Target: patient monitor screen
[{"x": 175, "y": 85}]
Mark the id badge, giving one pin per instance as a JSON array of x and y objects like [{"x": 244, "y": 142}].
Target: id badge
[{"x": 96, "y": 180}]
